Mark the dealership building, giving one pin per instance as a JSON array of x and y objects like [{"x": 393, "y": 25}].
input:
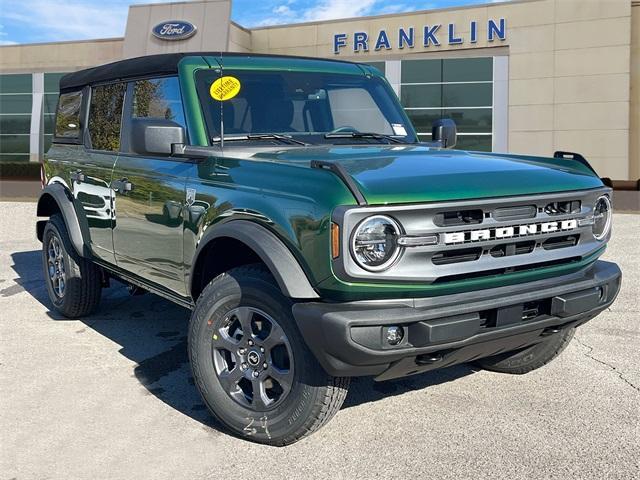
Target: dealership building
[{"x": 525, "y": 76}]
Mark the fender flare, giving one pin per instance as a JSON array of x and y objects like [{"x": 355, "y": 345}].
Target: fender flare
[
  {"x": 63, "y": 199},
  {"x": 284, "y": 267}
]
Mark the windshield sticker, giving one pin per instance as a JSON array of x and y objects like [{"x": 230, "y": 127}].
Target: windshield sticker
[
  {"x": 398, "y": 129},
  {"x": 224, "y": 88}
]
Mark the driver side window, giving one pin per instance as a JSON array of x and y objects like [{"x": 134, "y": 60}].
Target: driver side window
[{"x": 158, "y": 98}]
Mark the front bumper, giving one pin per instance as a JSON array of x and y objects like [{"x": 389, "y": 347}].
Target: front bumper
[{"x": 348, "y": 339}]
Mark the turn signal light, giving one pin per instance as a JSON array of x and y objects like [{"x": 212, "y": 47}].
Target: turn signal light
[{"x": 335, "y": 240}]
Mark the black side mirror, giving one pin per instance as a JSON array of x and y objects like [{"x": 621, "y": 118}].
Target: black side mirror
[
  {"x": 445, "y": 132},
  {"x": 155, "y": 136}
]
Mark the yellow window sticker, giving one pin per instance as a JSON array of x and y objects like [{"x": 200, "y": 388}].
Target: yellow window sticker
[{"x": 225, "y": 88}]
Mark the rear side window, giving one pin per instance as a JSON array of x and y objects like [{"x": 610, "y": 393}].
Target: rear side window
[
  {"x": 158, "y": 98},
  {"x": 105, "y": 115},
  {"x": 68, "y": 116}
]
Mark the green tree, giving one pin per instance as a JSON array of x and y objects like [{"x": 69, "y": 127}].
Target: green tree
[{"x": 105, "y": 115}]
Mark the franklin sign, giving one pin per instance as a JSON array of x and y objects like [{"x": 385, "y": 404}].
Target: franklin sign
[
  {"x": 173, "y": 30},
  {"x": 426, "y": 37}
]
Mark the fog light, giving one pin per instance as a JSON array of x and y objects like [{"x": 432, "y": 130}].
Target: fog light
[{"x": 394, "y": 335}]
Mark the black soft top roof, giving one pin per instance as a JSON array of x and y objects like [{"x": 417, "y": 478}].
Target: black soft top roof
[{"x": 161, "y": 64}]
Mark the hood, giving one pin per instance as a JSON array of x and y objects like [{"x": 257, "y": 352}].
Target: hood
[{"x": 412, "y": 174}]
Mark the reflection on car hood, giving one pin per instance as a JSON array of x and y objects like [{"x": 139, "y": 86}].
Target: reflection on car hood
[{"x": 416, "y": 173}]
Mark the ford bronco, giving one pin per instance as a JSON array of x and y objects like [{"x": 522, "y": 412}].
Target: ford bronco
[{"x": 289, "y": 203}]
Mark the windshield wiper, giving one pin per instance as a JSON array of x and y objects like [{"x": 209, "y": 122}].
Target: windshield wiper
[
  {"x": 377, "y": 136},
  {"x": 261, "y": 136}
]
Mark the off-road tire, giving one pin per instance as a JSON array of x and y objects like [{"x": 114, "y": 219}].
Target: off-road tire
[
  {"x": 314, "y": 398},
  {"x": 530, "y": 358},
  {"x": 82, "y": 278}
]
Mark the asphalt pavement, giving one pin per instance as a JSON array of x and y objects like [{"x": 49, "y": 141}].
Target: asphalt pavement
[{"x": 111, "y": 397}]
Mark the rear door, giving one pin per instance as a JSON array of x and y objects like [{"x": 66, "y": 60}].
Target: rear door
[
  {"x": 148, "y": 233},
  {"x": 91, "y": 177}
]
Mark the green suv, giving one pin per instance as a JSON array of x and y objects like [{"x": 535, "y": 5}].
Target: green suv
[{"x": 290, "y": 205}]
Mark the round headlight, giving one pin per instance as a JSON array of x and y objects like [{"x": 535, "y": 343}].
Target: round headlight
[
  {"x": 374, "y": 243},
  {"x": 601, "y": 217}
]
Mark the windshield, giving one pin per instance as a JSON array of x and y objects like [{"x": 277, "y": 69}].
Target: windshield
[{"x": 309, "y": 107}]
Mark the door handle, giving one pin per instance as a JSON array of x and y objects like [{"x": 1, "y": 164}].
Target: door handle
[
  {"x": 77, "y": 177},
  {"x": 122, "y": 186}
]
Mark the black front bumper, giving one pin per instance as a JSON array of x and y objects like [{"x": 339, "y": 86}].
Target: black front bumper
[{"x": 349, "y": 339}]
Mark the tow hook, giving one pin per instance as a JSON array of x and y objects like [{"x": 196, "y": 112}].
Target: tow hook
[
  {"x": 549, "y": 331},
  {"x": 428, "y": 359}
]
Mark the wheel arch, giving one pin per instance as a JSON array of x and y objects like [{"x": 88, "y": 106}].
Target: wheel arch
[
  {"x": 243, "y": 242},
  {"x": 55, "y": 198}
]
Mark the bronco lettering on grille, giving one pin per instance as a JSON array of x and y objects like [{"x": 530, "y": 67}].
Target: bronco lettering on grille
[{"x": 509, "y": 232}]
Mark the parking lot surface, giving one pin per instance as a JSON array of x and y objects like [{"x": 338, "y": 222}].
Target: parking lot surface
[{"x": 111, "y": 396}]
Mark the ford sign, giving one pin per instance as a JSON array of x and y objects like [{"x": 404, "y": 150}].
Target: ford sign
[{"x": 174, "y": 30}]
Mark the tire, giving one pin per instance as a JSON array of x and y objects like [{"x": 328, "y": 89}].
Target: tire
[
  {"x": 298, "y": 397},
  {"x": 74, "y": 284},
  {"x": 530, "y": 358}
]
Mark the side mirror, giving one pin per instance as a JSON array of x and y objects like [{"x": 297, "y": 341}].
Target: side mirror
[
  {"x": 155, "y": 136},
  {"x": 445, "y": 132}
]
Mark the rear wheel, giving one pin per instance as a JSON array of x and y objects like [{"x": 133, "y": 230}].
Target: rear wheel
[
  {"x": 530, "y": 358},
  {"x": 74, "y": 283},
  {"x": 251, "y": 365}
]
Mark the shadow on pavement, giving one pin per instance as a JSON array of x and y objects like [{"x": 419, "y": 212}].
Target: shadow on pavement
[
  {"x": 152, "y": 332},
  {"x": 28, "y": 266}
]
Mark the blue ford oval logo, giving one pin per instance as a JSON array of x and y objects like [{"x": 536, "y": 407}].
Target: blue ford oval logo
[{"x": 174, "y": 30}]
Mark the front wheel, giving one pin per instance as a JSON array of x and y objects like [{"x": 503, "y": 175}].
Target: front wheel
[{"x": 251, "y": 365}]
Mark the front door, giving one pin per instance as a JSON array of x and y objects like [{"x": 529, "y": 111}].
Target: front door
[{"x": 150, "y": 193}]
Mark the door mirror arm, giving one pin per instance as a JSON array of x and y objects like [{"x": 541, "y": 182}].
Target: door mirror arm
[{"x": 190, "y": 151}]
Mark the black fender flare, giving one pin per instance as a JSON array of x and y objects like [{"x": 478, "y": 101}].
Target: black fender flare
[
  {"x": 284, "y": 267},
  {"x": 62, "y": 197}
]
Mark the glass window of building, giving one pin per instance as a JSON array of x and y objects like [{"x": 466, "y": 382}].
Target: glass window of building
[
  {"x": 105, "y": 115},
  {"x": 51, "y": 89},
  {"x": 15, "y": 116},
  {"x": 460, "y": 89}
]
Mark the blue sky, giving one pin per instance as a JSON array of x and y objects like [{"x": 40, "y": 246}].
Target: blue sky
[{"x": 29, "y": 21}]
